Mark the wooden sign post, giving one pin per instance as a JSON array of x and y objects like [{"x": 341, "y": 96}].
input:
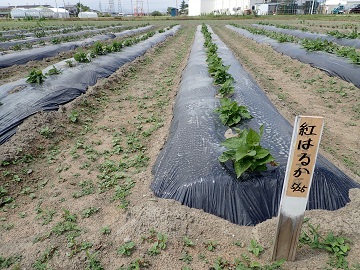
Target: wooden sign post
[{"x": 299, "y": 171}]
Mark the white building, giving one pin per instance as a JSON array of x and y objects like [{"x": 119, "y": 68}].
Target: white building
[
  {"x": 16, "y": 13},
  {"x": 330, "y": 4},
  {"x": 229, "y": 7},
  {"x": 38, "y": 12},
  {"x": 87, "y": 15},
  {"x": 60, "y": 13}
]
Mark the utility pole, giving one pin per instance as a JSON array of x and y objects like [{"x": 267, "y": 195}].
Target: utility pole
[
  {"x": 119, "y": 7},
  {"x": 111, "y": 6}
]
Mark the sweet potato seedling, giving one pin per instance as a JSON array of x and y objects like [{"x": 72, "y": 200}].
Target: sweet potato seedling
[
  {"x": 246, "y": 152},
  {"x": 231, "y": 113},
  {"x": 36, "y": 76}
]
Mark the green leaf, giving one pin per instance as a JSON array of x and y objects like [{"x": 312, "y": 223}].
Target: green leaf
[
  {"x": 340, "y": 240},
  {"x": 261, "y": 130},
  {"x": 258, "y": 167},
  {"x": 253, "y": 138},
  {"x": 266, "y": 159},
  {"x": 246, "y": 152},
  {"x": 223, "y": 158},
  {"x": 241, "y": 152},
  {"x": 261, "y": 152},
  {"x": 345, "y": 248},
  {"x": 251, "y": 153},
  {"x": 232, "y": 143},
  {"x": 241, "y": 166},
  {"x": 254, "y": 265}
]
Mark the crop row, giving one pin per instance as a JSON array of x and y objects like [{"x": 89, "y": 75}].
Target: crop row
[
  {"x": 284, "y": 26},
  {"x": 57, "y": 39},
  {"x": 41, "y": 25},
  {"x": 313, "y": 24},
  {"x": 72, "y": 83},
  {"x": 309, "y": 44},
  {"x": 96, "y": 50},
  {"x": 311, "y": 35},
  {"x": 53, "y": 50},
  {"x": 335, "y": 33},
  {"x": 245, "y": 150},
  {"x": 42, "y": 32}
]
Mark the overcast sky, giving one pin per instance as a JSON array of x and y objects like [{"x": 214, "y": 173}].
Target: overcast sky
[{"x": 147, "y": 5}]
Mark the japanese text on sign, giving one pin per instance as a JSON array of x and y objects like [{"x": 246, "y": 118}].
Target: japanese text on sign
[{"x": 304, "y": 150}]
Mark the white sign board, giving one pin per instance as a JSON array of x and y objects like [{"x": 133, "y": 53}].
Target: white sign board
[{"x": 299, "y": 172}]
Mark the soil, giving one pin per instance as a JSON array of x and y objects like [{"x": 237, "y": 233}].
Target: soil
[{"x": 62, "y": 168}]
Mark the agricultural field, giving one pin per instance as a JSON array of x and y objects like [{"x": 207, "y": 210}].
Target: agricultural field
[{"x": 75, "y": 178}]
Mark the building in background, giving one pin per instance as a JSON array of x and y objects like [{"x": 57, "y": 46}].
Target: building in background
[
  {"x": 265, "y": 7},
  {"x": 227, "y": 7},
  {"x": 5, "y": 11},
  {"x": 87, "y": 14},
  {"x": 72, "y": 9},
  {"x": 35, "y": 12},
  {"x": 60, "y": 13}
]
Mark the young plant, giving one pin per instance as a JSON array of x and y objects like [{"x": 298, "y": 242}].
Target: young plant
[
  {"x": 70, "y": 63},
  {"x": 41, "y": 263},
  {"x": 226, "y": 89},
  {"x": 137, "y": 264},
  {"x": 46, "y": 215},
  {"x": 74, "y": 116},
  {"x": 105, "y": 230},
  {"x": 221, "y": 75},
  {"x": 213, "y": 62},
  {"x": 46, "y": 132},
  {"x": 126, "y": 249},
  {"x": 186, "y": 257},
  {"x": 86, "y": 213},
  {"x": 231, "y": 113},
  {"x": 40, "y": 34},
  {"x": 36, "y": 76},
  {"x": 7, "y": 262},
  {"x": 187, "y": 242},
  {"x": 255, "y": 248},
  {"x": 211, "y": 245},
  {"x": 98, "y": 48},
  {"x": 55, "y": 40},
  {"x": 92, "y": 262},
  {"x": 116, "y": 46},
  {"x": 54, "y": 71},
  {"x": 221, "y": 263},
  {"x": 337, "y": 246},
  {"x": 82, "y": 57},
  {"x": 159, "y": 241},
  {"x": 246, "y": 152},
  {"x": 4, "y": 198}
]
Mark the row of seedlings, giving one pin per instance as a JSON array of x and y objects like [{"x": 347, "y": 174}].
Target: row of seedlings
[
  {"x": 335, "y": 33},
  {"x": 41, "y": 26},
  {"x": 244, "y": 148},
  {"x": 309, "y": 44},
  {"x": 42, "y": 31},
  {"x": 97, "y": 49},
  {"x": 56, "y": 39}
]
